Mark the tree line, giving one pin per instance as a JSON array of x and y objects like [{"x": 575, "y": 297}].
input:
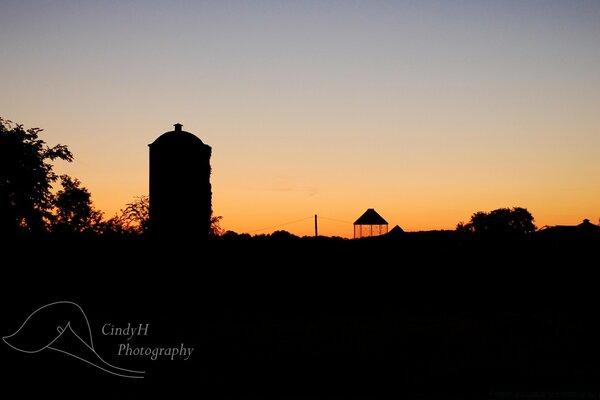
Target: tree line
[{"x": 30, "y": 206}]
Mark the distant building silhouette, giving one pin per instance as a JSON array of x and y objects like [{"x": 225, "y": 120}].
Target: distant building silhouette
[
  {"x": 583, "y": 230},
  {"x": 370, "y": 224},
  {"x": 396, "y": 231},
  {"x": 180, "y": 190}
]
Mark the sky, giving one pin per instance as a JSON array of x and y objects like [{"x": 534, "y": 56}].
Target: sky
[{"x": 427, "y": 111}]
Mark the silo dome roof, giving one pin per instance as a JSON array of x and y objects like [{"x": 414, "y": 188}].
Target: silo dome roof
[{"x": 178, "y": 136}]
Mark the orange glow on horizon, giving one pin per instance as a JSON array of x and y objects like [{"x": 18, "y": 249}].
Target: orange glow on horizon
[{"x": 425, "y": 111}]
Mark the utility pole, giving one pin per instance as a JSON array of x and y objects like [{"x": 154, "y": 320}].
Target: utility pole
[{"x": 316, "y": 229}]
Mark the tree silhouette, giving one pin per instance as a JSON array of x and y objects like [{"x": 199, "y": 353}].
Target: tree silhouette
[
  {"x": 502, "y": 221},
  {"x": 215, "y": 226},
  {"x": 74, "y": 211},
  {"x": 133, "y": 220},
  {"x": 26, "y": 177},
  {"x": 136, "y": 214}
]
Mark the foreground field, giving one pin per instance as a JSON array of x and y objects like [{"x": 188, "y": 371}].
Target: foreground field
[{"x": 430, "y": 315}]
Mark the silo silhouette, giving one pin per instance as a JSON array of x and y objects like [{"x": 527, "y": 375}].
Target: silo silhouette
[{"x": 180, "y": 190}]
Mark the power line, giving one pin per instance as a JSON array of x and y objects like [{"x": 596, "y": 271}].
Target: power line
[
  {"x": 335, "y": 220},
  {"x": 299, "y": 220},
  {"x": 284, "y": 224}
]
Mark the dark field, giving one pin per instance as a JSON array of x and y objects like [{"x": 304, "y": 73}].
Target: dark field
[{"x": 424, "y": 315}]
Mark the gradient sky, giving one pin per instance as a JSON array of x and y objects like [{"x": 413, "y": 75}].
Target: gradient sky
[{"x": 426, "y": 111}]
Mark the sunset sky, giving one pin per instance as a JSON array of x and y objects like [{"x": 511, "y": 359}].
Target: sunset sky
[{"x": 426, "y": 111}]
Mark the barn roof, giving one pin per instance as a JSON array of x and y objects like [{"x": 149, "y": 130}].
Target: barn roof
[
  {"x": 396, "y": 231},
  {"x": 370, "y": 217}
]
